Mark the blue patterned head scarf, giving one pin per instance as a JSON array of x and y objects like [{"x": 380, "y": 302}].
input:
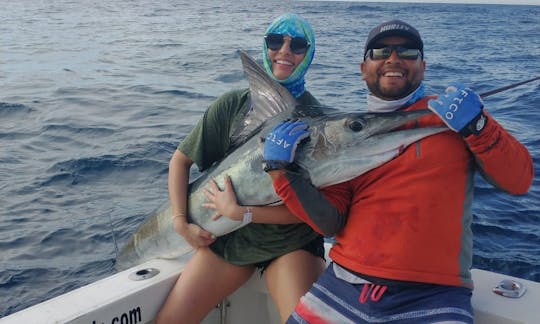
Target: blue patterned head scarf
[{"x": 294, "y": 26}]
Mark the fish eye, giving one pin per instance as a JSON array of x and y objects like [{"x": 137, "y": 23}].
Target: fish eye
[{"x": 355, "y": 125}]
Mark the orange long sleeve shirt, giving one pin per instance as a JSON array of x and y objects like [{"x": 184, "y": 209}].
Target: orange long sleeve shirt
[{"x": 410, "y": 219}]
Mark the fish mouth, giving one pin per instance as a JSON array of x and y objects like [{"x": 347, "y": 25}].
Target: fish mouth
[{"x": 384, "y": 122}]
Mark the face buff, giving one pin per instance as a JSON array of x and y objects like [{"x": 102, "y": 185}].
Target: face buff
[
  {"x": 294, "y": 26},
  {"x": 376, "y": 104}
]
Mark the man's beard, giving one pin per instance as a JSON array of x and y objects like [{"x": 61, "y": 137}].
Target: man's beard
[{"x": 391, "y": 93}]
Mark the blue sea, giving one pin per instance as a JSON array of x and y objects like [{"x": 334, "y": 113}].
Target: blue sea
[{"x": 96, "y": 95}]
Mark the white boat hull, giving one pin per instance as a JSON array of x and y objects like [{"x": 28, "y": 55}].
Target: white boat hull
[{"x": 120, "y": 299}]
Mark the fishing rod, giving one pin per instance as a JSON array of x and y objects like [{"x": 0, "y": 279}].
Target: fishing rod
[
  {"x": 489, "y": 93},
  {"x": 116, "y": 251}
]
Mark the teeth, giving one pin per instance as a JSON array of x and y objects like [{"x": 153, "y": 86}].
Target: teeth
[
  {"x": 283, "y": 62},
  {"x": 393, "y": 74}
]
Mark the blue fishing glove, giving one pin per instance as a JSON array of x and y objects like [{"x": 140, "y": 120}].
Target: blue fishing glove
[
  {"x": 281, "y": 143},
  {"x": 458, "y": 107}
]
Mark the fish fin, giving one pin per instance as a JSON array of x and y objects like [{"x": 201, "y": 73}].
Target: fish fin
[{"x": 268, "y": 97}]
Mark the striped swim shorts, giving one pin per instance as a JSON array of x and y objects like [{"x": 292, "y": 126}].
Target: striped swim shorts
[{"x": 334, "y": 300}]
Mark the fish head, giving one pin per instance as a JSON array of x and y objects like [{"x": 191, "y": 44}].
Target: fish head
[{"x": 356, "y": 142}]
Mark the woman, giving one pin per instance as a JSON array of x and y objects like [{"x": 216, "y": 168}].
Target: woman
[{"x": 289, "y": 253}]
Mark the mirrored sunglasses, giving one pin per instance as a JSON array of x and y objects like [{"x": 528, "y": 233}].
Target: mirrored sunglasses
[
  {"x": 299, "y": 45},
  {"x": 385, "y": 52}
]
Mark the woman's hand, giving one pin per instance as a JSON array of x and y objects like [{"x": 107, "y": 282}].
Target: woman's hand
[
  {"x": 224, "y": 202},
  {"x": 195, "y": 235}
]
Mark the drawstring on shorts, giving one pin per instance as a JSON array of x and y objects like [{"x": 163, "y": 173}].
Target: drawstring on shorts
[{"x": 372, "y": 291}]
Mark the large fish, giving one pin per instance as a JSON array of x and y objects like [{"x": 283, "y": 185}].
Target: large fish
[{"x": 342, "y": 145}]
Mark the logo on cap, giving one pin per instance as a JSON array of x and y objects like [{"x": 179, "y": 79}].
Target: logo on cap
[{"x": 394, "y": 26}]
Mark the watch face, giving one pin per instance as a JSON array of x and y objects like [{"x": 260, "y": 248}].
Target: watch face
[
  {"x": 273, "y": 165},
  {"x": 480, "y": 123}
]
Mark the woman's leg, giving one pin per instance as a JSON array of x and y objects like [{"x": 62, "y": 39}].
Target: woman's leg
[
  {"x": 206, "y": 280},
  {"x": 290, "y": 276}
]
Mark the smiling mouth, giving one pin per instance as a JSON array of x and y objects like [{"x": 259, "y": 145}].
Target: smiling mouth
[
  {"x": 393, "y": 74},
  {"x": 284, "y": 62}
]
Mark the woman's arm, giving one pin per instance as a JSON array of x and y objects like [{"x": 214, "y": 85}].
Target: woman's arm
[
  {"x": 225, "y": 204},
  {"x": 179, "y": 166}
]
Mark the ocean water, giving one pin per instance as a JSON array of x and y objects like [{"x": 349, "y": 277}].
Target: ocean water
[{"x": 95, "y": 96}]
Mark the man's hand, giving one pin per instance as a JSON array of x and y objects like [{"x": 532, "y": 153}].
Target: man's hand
[
  {"x": 281, "y": 143},
  {"x": 457, "y": 107}
]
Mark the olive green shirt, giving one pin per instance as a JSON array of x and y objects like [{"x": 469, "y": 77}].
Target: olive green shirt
[{"x": 210, "y": 141}]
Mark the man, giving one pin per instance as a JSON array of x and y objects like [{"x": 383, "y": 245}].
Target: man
[{"x": 403, "y": 248}]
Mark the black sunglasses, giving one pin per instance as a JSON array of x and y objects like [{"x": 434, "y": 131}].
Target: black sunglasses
[
  {"x": 385, "y": 52},
  {"x": 299, "y": 45}
]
